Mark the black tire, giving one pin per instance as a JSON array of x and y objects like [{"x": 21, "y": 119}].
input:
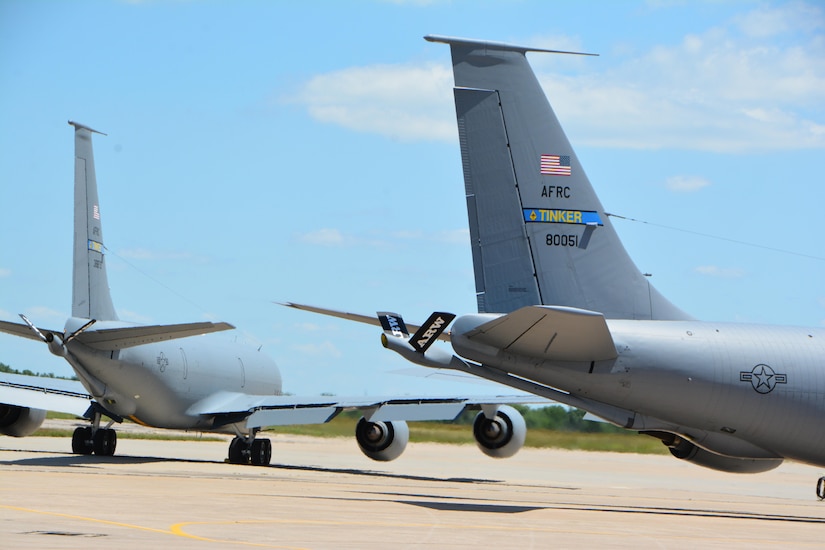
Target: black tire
[
  {"x": 261, "y": 452},
  {"x": 81, "y": 441},
  {"x": 238, "y": 451},
  {"x": 105, "y": 441}
]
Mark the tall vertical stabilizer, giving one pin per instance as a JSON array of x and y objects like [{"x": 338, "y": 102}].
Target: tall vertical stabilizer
[
  {"x": 90, "y": 287},
  {"x": 539, "y": 232}
]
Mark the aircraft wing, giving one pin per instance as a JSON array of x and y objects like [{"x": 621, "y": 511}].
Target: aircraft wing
[
  {"x": 260, "y": 411},
  {"x": 358, "y": 317},
  {"x": 38, "y": 392},
  {"x": 553, "y": 333}
]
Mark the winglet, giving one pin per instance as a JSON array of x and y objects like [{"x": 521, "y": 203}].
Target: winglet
[
  {"x": 393, "y": 323},
  {"x": 429, "y": 332}
]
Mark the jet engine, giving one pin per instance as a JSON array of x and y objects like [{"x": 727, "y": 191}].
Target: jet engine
[
  {"x": 685, "y": 450},
  {"x": 20, "y": 421},
  {"x": 501, "y": 436},
  {"x": 382, "y": 441}
]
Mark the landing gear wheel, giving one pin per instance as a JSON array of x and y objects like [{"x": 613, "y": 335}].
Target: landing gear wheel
[
  {"x": 105, "y": 441},
  {"x": 238, "y": 451},
  {"x": 820, "y": 488},
  {"x": 261, "y": 452},
  {"x": 82, "y": 443}
]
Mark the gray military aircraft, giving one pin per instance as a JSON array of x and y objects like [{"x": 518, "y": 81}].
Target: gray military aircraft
[
  {"x": 181, "y": 377},
  {"x": 564, "y": 313}
]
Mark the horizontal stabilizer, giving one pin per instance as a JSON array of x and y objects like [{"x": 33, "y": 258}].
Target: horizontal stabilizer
[
  {"x": 24, "y": 331},
  {"x": 549, "y": 332},
  {"x": 127, "y": 337}
]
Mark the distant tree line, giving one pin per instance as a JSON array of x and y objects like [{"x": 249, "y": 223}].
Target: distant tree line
[
  {"x": 553, "y": 417},
  {"x": 5, "y": 368}
]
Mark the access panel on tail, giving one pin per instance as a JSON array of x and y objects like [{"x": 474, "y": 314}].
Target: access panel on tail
[{"x": 539, "y": 233}]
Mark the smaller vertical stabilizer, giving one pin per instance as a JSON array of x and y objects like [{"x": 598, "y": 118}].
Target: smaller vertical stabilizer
[{"x": 90, "y": 286}]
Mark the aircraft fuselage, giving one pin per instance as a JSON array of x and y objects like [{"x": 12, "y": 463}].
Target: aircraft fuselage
[
  {"x": 756, "y": 389},
  {"x": 155, "y": 384}
]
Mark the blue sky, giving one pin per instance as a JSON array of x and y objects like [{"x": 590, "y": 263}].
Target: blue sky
[{"x": 307, "y": 151}]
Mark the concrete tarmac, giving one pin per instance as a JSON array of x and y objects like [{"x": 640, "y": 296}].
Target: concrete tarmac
[{"x": 323, "y": 493}]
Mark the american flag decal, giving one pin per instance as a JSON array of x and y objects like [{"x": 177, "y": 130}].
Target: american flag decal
[
  {"x": 555, "y": 165},
  {"x": 96, "y": 212}
]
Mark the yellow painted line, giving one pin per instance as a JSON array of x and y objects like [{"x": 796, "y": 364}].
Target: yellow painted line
[
  {"x": 178, "y": 528},
  {"x": 174, "y": 530},
  {"x": 82, "y": 518}
]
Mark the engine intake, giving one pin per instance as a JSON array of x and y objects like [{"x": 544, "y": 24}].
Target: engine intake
[
  {"x": 382, "y": 441},
  {"x": 20, "y": 421},
  {"x": 501, "y": 436}
]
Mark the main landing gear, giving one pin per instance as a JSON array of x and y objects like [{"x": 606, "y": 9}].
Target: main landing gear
[
  {"x": 94, "y": 439},
  {"x": 249, "y": 450}
]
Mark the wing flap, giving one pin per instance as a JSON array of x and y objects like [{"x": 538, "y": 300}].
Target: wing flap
[
  {"x": 127, "y": 337},
  {"x": 290, "y": 416},
  {"x": 552, "y": 333}
]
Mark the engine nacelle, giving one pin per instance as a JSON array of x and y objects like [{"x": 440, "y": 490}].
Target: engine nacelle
[
  {"x": 685, "y": 450},
  {"x": 502, "y": 436},
  {"x": 20, "y": 421},
  {"x": 382, "y": 441}
]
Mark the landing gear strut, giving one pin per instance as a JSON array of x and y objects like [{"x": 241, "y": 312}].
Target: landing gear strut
[
  {"x": 94, "y": 439},
  {"x": 248, "y": 450}
]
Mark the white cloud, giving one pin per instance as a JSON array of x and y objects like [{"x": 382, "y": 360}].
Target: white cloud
[
  {"x": 309, "y": 327},
  {"x": 406, "y": 102},
  {"x": 454, "y": 236},
  {"x": 39, "y": 314},
  {"x": 686, "y": 184},
  {"x": 325, "y": 349},
  {"x": 766, "y": 22},
  {"x": 134, "y": 317},
  {"x": 330, "y": 237},
  {"x": 721, "y": 272},
  {"x": 323, "y": 237},
  {"x": 751, "y": 84}
]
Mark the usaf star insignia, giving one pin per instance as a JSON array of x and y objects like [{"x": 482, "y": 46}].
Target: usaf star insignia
[{"x": 763, "y": 378}]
